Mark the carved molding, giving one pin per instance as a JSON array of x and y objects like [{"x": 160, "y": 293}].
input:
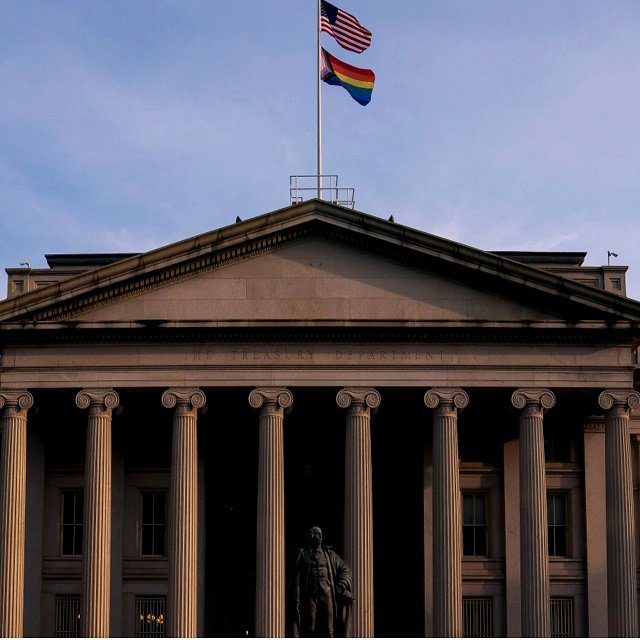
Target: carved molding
[
  {"x": 621, "y": 398},
  {"x": 279, "y": 396},
  {"x": 139, "y": 283},
  {"x": 192, "y": 397},
  {"x": 594, "y": 424},
  {"x": 369, "y": 398},
  {"x": 106, "y": 398},
  {"x": 543, "y": 399},
  {"x": 457, "y": 398},
  {"x": 311, "y": 331},
  {"x": 163, "y": 276}
]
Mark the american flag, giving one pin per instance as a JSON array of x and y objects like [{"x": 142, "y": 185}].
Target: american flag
[{"x": 344, "y": 27}]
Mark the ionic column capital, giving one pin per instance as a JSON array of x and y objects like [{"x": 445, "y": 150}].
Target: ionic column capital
[
  {"x": 185, "y": 397},
  {"x": 274, "y": 398},
  {"x": 358, "y": 399},
  {"x": 533, "y": 401},
  {"x": 103, "y": 399},
  {"x": 16, "y": 400},
  {"x": 619, "y": 400},
  {"x": 446, "y": 400}
]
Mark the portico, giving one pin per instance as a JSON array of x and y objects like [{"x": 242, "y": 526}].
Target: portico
[{"x": 423, "y": 403}]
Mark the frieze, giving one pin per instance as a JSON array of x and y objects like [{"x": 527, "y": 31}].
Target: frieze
[
  {"x": 309, "y": 354},
  {"x": 299, "y": 354}
]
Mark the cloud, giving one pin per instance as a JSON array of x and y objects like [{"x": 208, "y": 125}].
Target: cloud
[{"x": 501, "y": 125}]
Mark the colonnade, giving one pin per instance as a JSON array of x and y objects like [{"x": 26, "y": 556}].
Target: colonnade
[{"x": 359, "y": 404}]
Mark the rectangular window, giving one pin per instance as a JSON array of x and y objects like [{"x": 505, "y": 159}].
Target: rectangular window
[
  {"x": 67, "y": 617},
  {"x": 557, "y": 523},
  {"x": 562, "y": 618},
  {"x": 72, "y": 522},
  {"x": 150, "y": 616},
  {"x": 474, "y": 524},
  {"x": 153, "y": 525},
  {"x": 477, "y": 617}
]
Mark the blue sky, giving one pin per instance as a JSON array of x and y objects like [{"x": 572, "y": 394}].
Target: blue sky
[{"x": 125, "y": 125}]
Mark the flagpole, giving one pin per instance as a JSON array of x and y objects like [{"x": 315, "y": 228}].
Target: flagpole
[{"x": 319, "y": 92}]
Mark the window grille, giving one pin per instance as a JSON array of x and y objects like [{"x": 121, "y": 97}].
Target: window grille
[
  {"x": 474, "y": 524},
  {"x": 150, "y": 616},
  {"x": 72, "y": 522},
  {"x": 477, "y": 617},
  {"x": 562, "y": 618},
  {"x": 67, "y": 617},
  {"x": 557, "y": 523},
  {"x": 153, "y": 523}
]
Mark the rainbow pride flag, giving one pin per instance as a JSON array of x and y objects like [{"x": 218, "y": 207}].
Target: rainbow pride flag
[{"x": 358, "y": 82}]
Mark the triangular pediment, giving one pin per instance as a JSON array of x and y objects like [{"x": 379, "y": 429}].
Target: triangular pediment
[
  {"x": 316, "y": 263},
  {"x": 314, "y": 279}
]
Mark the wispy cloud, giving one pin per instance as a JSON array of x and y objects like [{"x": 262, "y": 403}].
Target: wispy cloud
[{"x": 502, "y": 125}]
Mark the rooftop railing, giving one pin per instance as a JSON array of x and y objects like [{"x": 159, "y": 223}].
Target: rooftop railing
[{"x": 324, "y": 187}]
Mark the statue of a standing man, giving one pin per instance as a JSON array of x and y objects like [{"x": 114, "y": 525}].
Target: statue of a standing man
[{"x": 322, "y": 591}]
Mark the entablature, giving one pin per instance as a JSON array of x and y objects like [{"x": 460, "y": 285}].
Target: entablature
[{"x": 317, "y": 363}]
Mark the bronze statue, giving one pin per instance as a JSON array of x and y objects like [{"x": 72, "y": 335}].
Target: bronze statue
[{"x": 322, "y": 591}]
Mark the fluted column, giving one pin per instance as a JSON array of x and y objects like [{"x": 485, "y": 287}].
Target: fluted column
[
  {"x": 534, "y": 554},
  {"x": 621, "y": 556},
  {"x": 182, "y": 609},
  {"x": 447, "y": 525},
  {"x": 270, "y": 557},
  {"x": 13, "y": 495},
  {"x": 595, "y": 496},
  {"x": 358, "y": 504},
  {"x": 96, "y": 548}
]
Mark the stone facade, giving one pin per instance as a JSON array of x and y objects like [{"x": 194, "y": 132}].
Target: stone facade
[{"x": 461, "y": 424}]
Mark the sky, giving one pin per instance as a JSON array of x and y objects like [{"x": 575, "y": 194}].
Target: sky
[{"x": 504, "y": 125}]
